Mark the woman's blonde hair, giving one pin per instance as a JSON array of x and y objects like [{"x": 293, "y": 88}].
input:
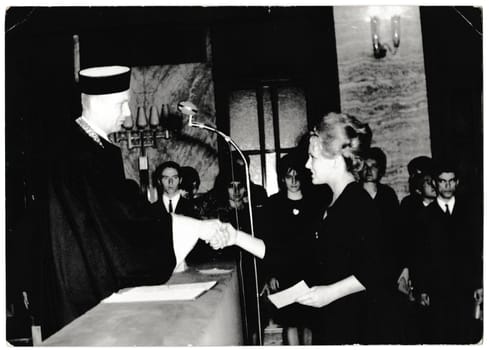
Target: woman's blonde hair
[{"x": 345, "y": 135}]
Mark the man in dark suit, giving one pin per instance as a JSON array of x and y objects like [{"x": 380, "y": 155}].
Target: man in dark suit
[
  {"x": 170, "y": 200},
  {"x": 450, "y": 274}
]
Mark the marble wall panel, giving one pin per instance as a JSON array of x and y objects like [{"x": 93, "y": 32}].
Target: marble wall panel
[
  {"x": 169, "y": 84},
  {"x": 388, "y": 93}
]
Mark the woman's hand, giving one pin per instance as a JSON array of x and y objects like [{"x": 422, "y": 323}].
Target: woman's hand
[
  {"x": 208, "y": 229},
  {"x": 319, "y": 296},
  {"x": 225, "y": 236}
]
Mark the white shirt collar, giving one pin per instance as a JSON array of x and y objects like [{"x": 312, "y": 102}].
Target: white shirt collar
[
  {"x": 443, "y": 202},
  {"x": 174, "y": 200},
  {"x": 95, "y": 128}
]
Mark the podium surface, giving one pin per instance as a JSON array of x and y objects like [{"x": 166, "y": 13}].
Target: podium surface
[{"x": 214, "y": 318}]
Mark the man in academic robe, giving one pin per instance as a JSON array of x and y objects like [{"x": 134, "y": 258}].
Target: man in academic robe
[{"x": 99, "y": 237}]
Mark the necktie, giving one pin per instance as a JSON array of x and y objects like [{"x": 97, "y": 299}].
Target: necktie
[
  {"x": 170, "y": 207},
  {"x": 447, "y": 211}
]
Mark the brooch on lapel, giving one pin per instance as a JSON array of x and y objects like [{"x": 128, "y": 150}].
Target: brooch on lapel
[{"x": 295, "y": 211}]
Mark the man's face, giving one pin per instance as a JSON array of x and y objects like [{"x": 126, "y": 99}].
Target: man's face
[
  {"x": 170, "y": 180},
  {"x": 371, "y": 171},
  {"x": 446, "y": 184},
  {"x": 427, "y": 189},
  {"x": 111, "y": 111}
]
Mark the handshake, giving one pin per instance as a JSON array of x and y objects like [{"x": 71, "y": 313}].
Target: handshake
[{"x": 218, "y": 234}]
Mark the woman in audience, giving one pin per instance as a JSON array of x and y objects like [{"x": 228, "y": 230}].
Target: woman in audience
[
  {"x": 287, "y": 214},
  {"x": 387, "y": 204},
  {"x": 348, "y": 276}
]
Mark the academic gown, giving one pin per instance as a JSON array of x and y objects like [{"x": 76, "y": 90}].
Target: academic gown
[{"x": 99, "y": 238}]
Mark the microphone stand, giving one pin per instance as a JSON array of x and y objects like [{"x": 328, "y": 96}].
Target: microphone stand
[{"x": 250, "y": 211}]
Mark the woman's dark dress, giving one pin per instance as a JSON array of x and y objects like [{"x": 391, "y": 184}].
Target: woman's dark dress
[
  {"x": 287, "y": 225},
  {"x": 346, "y": 244}
]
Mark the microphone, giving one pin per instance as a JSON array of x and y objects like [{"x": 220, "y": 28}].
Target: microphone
[{"x": 187, "y": 108}]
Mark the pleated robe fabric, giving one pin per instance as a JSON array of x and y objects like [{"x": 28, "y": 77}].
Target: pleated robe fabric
[{"x": 100, "y": 237}]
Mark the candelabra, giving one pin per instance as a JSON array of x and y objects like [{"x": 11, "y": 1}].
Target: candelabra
[{"x": 149, "y": 127}]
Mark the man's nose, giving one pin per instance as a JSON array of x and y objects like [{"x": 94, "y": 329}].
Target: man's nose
[{"x": 126, "y": 111}]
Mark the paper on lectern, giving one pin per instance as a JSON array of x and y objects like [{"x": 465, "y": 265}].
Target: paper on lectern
[{"x": 163, "y": 292}]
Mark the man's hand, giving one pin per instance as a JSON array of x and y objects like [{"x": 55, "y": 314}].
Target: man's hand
[
  {"x": 224, "y": 237},
  {"x": 274, "y": 284},
  {"x": 478, "y": 295},
  {"x": 403, "y": 284},
  {"x": 424, "y": 299},
  {"x": 318, "y": 296},
  {"x": 208, "y": 229}
]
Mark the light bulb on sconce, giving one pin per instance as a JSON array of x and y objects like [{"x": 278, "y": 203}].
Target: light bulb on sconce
[
  {"x": 127, "y": 123},
  {"x": 141, "y": 120},
  {"x": 154, "y": 119},
  {"x": 380, "y": 49},
  {"x": 396, "y": 30},
  {"x": 164, "y": 120}
]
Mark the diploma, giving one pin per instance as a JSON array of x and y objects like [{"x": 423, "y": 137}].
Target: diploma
[{"x": 288, "y": 296}]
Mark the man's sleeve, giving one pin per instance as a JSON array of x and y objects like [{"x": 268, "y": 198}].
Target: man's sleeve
[{"x": 185, "y": 235}]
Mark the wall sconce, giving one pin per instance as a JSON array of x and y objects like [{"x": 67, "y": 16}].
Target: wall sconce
[
  {"x": 150, "y": 126},
  {"x": 380, "y": 49}
]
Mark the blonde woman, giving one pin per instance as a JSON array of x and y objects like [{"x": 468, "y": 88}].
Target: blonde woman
[{"x": 348, "y": 279}]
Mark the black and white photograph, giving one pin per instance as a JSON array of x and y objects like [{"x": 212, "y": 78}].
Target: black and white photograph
[{"x": 233, "y": 174}]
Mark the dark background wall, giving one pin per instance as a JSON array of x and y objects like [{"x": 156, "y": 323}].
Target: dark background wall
[
  {"x": 453, "y": 65},
  {"x": 249, "y": 45}
]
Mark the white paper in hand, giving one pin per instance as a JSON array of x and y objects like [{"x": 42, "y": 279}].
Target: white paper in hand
[{"x": 289, "y": 295}]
